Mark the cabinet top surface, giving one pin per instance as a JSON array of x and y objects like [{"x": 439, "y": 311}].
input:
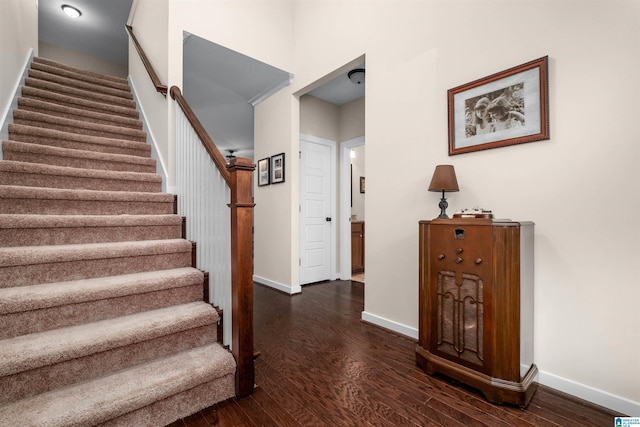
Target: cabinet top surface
[{"x": 475, "y": 221}]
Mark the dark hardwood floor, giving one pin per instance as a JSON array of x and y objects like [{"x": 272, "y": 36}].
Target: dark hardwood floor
[{"x": 322, "y": 366}]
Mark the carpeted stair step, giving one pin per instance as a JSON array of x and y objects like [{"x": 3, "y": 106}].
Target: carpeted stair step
[
  {"x": 38, "y": 175},
  {"x": 74, "y": 102},
  {"x": 55, "y": 201},
  {"x": 78, "y": 93},
  {"x": 58, "y": 67},
  {"x": 50, "y": 230},
  {"x": 37, "y": 308},
  {"x": 44, "y": 136},
  {"x": 68, "y": 157},
  {"x": 63, "y": 111},
  {"x": 36, "y": 363},
  {"x": 81, "y": 127},
  {"x": 95, "y": 86},
  {"x": 163, "y": 391},
  {"x": 31, "y": 265}
]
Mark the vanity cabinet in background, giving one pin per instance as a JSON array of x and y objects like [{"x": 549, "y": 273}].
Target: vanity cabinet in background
[{"x": 357, "y": 246}]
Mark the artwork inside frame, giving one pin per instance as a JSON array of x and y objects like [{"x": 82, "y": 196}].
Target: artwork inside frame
[
  {"x": 264, "y": 175},
  {"x": 506, "y": 108},
  {"x": 362, "y": 184},
  {"x": 277, "y": 168}
]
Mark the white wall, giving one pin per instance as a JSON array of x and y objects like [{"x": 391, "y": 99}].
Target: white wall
[
  {"x": 580, "y": 186},
  {"x": 149, "y": 20},
  {"x": 276, "y": 245},
  {"x": 81, "y": 60},
  {"x": 18, "y": 40},
  {"x": 319, "y": 118},
  {"x": 352, "y": 119}
]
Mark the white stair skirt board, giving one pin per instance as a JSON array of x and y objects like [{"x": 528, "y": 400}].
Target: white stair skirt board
[{"x": 151, "y": 140}]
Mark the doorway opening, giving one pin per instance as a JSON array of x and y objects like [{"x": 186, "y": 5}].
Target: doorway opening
[
  {"x": 352, "y": 204},
  {"x": 329, "y": 114}
]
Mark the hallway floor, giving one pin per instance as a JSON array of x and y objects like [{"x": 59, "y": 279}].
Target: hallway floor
[
  {"x": 322, "y": 366},
  {"x": 358, "y": 277}
]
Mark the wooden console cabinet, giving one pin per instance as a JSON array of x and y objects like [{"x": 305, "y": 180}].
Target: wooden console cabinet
[{"x": 476, "y": 305}]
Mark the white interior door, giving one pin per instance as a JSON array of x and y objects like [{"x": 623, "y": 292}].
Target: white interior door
[{"x": 316, "y": 211}]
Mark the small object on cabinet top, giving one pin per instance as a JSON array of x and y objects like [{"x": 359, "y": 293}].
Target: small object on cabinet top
[{"x": 473, "y": 213}]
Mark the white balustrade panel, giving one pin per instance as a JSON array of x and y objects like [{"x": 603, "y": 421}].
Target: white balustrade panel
[{"x": 203, "y": 198}]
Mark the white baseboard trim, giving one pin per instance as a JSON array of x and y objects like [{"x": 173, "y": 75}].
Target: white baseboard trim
[
  {"x": 582, "y": 391},
  {"x": 390, "y": 324},
  {"x": 602, "y": 398},
  {"x": 278, "y": 286}
]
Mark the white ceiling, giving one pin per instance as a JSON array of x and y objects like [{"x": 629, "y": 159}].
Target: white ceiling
[
  {"x": 221, "y": 85},
  {"x": 98, "y": 32},
  {"x": 339, "y": 90}
]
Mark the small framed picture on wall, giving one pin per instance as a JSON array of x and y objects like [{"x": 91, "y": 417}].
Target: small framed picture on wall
[
  {"x": 277, "y": 168},
  {"x": 263, "y": 172}
]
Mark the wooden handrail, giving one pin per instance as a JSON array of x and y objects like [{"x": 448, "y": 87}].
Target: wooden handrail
[
  {"x": 154, "y": 77},
  {"x": 209, "y": 145}
]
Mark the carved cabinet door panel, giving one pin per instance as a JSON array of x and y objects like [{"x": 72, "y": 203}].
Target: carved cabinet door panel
[{"x": 460, "y": 286}]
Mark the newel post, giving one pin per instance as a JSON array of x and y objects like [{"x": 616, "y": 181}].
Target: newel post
[{"x": 242, "y": 272}]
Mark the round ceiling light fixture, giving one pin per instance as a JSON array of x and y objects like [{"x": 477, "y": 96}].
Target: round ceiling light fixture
[
  {"x": 71, "y": 11},
  {"x": 356, "y": 75}
]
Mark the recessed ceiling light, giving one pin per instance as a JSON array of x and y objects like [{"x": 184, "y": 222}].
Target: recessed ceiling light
[{"x": 71, "y": 11}]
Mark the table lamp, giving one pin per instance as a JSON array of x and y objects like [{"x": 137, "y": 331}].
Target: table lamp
[{"x": 444, "y": 179}]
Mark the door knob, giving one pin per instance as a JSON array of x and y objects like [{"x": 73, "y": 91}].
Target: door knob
[{"x": 328, "y": 219}]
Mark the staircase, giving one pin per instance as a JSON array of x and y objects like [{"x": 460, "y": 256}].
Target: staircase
[{"x": 101, "y": 313}]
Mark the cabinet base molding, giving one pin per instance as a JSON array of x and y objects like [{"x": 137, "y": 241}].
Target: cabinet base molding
[{"x": 495, "y": 390}]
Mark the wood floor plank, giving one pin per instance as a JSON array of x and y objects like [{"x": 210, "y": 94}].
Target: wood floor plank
[
  {"x": 228, "y": 414},
  {"x": 571, "y": 410},
  {"x": 297, "y": 409},
  {"x": 321, "y": 365},
  {"x": 257, "y": 413},
  {"x": 196, "y": 420}
]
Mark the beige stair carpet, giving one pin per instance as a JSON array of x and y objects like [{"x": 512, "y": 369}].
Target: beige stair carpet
[{"x": 102, "y": 320}]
